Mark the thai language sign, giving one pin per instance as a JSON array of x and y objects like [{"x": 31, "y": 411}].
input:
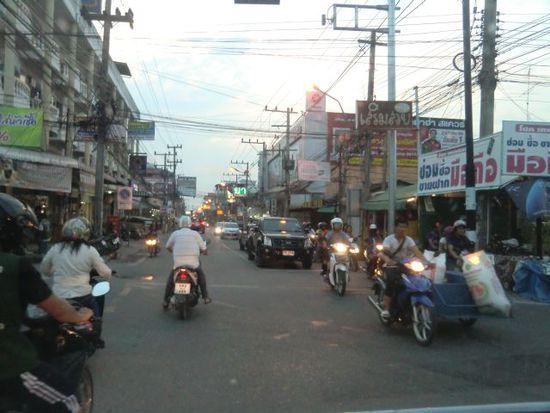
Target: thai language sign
[
  {"x": 444, "y": 171},
  {"x": 440, "y": 133},
  {"x": 526, "y": 149},
  {"x": 313, "y": 171},
  {"x": 141, "y": 130},
  {"x": 21, "y": 127},
  {"x": 124, "y": 198},
  {"x": 384, "y": 115},
  {"x": 38, "y": 176}
]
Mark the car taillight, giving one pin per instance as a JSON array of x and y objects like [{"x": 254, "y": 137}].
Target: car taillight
[{"x": 183, "y": 275}]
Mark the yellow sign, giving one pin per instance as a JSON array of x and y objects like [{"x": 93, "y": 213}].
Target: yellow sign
[{"x": 219, "y": 211}]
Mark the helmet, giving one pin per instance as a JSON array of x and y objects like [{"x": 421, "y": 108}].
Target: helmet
[
  {"x": 16, "y": 220},
  {"x": 373, "y": 226},
  {"x": 336, "y": 223},
  {"x": 459, "y": 223},
  {"x": 76, "y": 229},
  {"x": 184, "y": 221},
  {"x": 322, "y": 225}
]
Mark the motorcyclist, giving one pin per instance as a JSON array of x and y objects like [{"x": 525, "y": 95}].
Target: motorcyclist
[
  {"x": 70, "y": 262},
  {"x": 372, "y": 253},
  {"x": 322, "y": 248},
  {"x": 397, "y": 247},
  {"x": 186, "y": 246},
  {"x": 458, "y": 244},
  {"x": 23, "y": 378},
  {"x": 335, "y": 235}
]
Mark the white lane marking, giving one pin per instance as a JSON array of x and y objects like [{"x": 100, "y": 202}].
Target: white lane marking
[
  {"x": 281, "y": 336},
  {"x": 216, "y": 302},
  {"x": 234, "y": 286},
  {"x": 125, "y": 291},
  {"x": 139, "y": 261}
]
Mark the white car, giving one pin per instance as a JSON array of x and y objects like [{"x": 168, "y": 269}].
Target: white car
[{"x": 230, "y": 230}]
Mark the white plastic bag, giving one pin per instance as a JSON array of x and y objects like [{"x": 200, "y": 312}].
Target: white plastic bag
[
  {"x": 484, "y": 284},
  {"x": 437, "y": 272}
]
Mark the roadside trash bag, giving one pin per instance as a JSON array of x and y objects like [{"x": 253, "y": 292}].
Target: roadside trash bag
[
  {"x": 531, "y": 282},
  {"x": 484, "y": 285},
  {"x": 437, "y": 272}
]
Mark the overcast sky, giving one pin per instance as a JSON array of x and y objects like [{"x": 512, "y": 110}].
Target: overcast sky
[{"x": 206, "y": 69}]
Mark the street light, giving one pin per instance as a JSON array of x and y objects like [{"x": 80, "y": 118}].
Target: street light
[{"x": 332, "y": 97}]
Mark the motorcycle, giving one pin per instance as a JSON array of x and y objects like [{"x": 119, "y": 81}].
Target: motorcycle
[
  {"x": 152, "y": 245},
  {"x": 412, "y": 305},
  {"x": 354, "y": 255},
  {"x": 66, "y": 346},
  {"x": 186, "y": 291},
  {"x": 107, "y": 245},
  {"x": 373, "y": 262},
  {"x": 338, "y": 273}
]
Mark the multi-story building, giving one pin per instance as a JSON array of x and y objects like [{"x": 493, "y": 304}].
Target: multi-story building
[{"x": 50, "y": 59}]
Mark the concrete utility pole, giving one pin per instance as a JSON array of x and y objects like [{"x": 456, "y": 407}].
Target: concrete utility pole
[
  {"x": 470, "y": 171},
  {"x": 105, "y": 94},
  {"x": 286, "y": 158},
  {"x": 263, "y": 183},
  {"x": 487, "y": 77},
  {"x": 392, "y": 136},
  {"x": 174, "y": 164}
]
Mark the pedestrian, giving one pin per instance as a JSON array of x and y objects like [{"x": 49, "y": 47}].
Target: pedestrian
[
  {"x": 443, "y": 240},
  {"x": 433, "y": 237}
]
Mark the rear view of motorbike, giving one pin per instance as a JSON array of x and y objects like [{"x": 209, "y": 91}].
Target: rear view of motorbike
[{"x": 186, "y": 292}]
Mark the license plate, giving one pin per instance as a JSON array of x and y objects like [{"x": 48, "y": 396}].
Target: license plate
[
  {"x": 182, "y": 288},
  {"x": 287, "y": 253}
]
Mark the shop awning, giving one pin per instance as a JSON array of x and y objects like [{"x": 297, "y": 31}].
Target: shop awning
[
  {"x": 380, "y": 201},
  {"x": 327, "y": 210}
]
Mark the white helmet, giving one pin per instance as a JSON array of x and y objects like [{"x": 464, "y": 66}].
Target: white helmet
[
  {"x": 372, "y": 226},
  {"x": 336, "y": 222},
  {"x": 184, "y": 222}
]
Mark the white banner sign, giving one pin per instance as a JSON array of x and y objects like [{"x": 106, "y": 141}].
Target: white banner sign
[
  {"x": 444, "y": 171},
  {"x": 187, "y": 186},
  {"x": 124, "y": 198},
  {"x": 313, "y": 171},
  {"x": 526, "y": 148}
]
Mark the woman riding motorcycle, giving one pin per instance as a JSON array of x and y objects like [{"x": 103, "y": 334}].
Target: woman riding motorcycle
[{"x": 70, "y": 262}]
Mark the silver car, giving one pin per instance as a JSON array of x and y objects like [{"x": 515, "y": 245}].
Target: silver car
[{"x": 230, "y": 230}]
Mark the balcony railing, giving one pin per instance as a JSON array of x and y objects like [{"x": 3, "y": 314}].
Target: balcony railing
[
  {"x": 22, "y": 95},
  {"x": 23, "y": 21}
]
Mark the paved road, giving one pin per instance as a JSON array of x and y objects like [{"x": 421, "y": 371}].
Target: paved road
[{"x": 278, "y": 340}]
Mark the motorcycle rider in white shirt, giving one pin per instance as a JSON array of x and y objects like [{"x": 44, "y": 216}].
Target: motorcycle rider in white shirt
[{"x": 186, "y": 246}]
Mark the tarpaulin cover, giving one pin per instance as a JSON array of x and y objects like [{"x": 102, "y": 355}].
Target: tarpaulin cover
[{"x": 531, "y": 281}]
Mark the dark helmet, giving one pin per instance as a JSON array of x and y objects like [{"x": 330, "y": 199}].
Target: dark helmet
[
  {"x": 322, "y": 225},
  {"x": 16, "y": 220}
]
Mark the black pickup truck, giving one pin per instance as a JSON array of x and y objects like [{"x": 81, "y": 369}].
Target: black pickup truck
[{"x": 277, "y": 238}]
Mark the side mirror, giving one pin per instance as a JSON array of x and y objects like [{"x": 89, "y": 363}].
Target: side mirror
[{"x": 101, "y": 288}]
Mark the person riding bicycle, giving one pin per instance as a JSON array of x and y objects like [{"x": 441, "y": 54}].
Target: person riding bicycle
[
  {"x": 44, "y": 387},
  {"x": 186, "y": 246},
  {"x": 397, "y": 247}
]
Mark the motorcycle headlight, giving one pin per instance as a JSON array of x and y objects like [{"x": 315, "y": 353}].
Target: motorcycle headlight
[
  {"x": 415, "y": 266},
  {"x": 354, "y": 250},
  {"x": 379, "y": 247},
  {"x": 267, "y": 242},
  {"x": 340, "y": 247},
  {"x": 307, "y": 243}
]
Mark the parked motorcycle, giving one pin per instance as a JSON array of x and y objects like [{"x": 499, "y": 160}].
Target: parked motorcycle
[
  {"x": 186, "y": 291},
  {"x": 66, "y": 346},
  {"x": 152, "y": 244},
  {"x": 338, "y": 273},
  {"x": 107, "y": 245},
  {"x": 412, "y": 305}
]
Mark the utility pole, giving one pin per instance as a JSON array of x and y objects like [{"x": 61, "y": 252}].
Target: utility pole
[
  {"x": 391, "y": 136},
  {"x": 487, "y": 76},
  {"x": 174, "y": 164},
  {"x": 245, "y": 204},
  {"x": 470, "y": 170},
  {"x": 286, "y": 158},
  {"x": 263, "y": 182},
  {"x": 104, "y": 120}
]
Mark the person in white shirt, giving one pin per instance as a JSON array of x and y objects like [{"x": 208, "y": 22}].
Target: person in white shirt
[
  {"x": 397, "y": 247},
  {"x": 70, "y": 262},
  {"x": 186, "y": 246}
]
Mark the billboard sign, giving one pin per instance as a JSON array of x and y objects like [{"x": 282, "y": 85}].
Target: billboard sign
[
  {"x": 21, "y": 127},
  {"x": 240, "y": 191},
  {"x": 38, "y": 176},
  {"x": 526, "y": 148},
  {"x": 124, "y": 198},
  {"x": 187, "y": 186},
  {"x": 138, "y": 164},
  {"x": 441, "y": 133},
  {"x": 384, "y": 115},
  {"x": 141, "y": 130},
  {"x": 444, "y": 171},
  {"x": 313, "y": 171}
]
